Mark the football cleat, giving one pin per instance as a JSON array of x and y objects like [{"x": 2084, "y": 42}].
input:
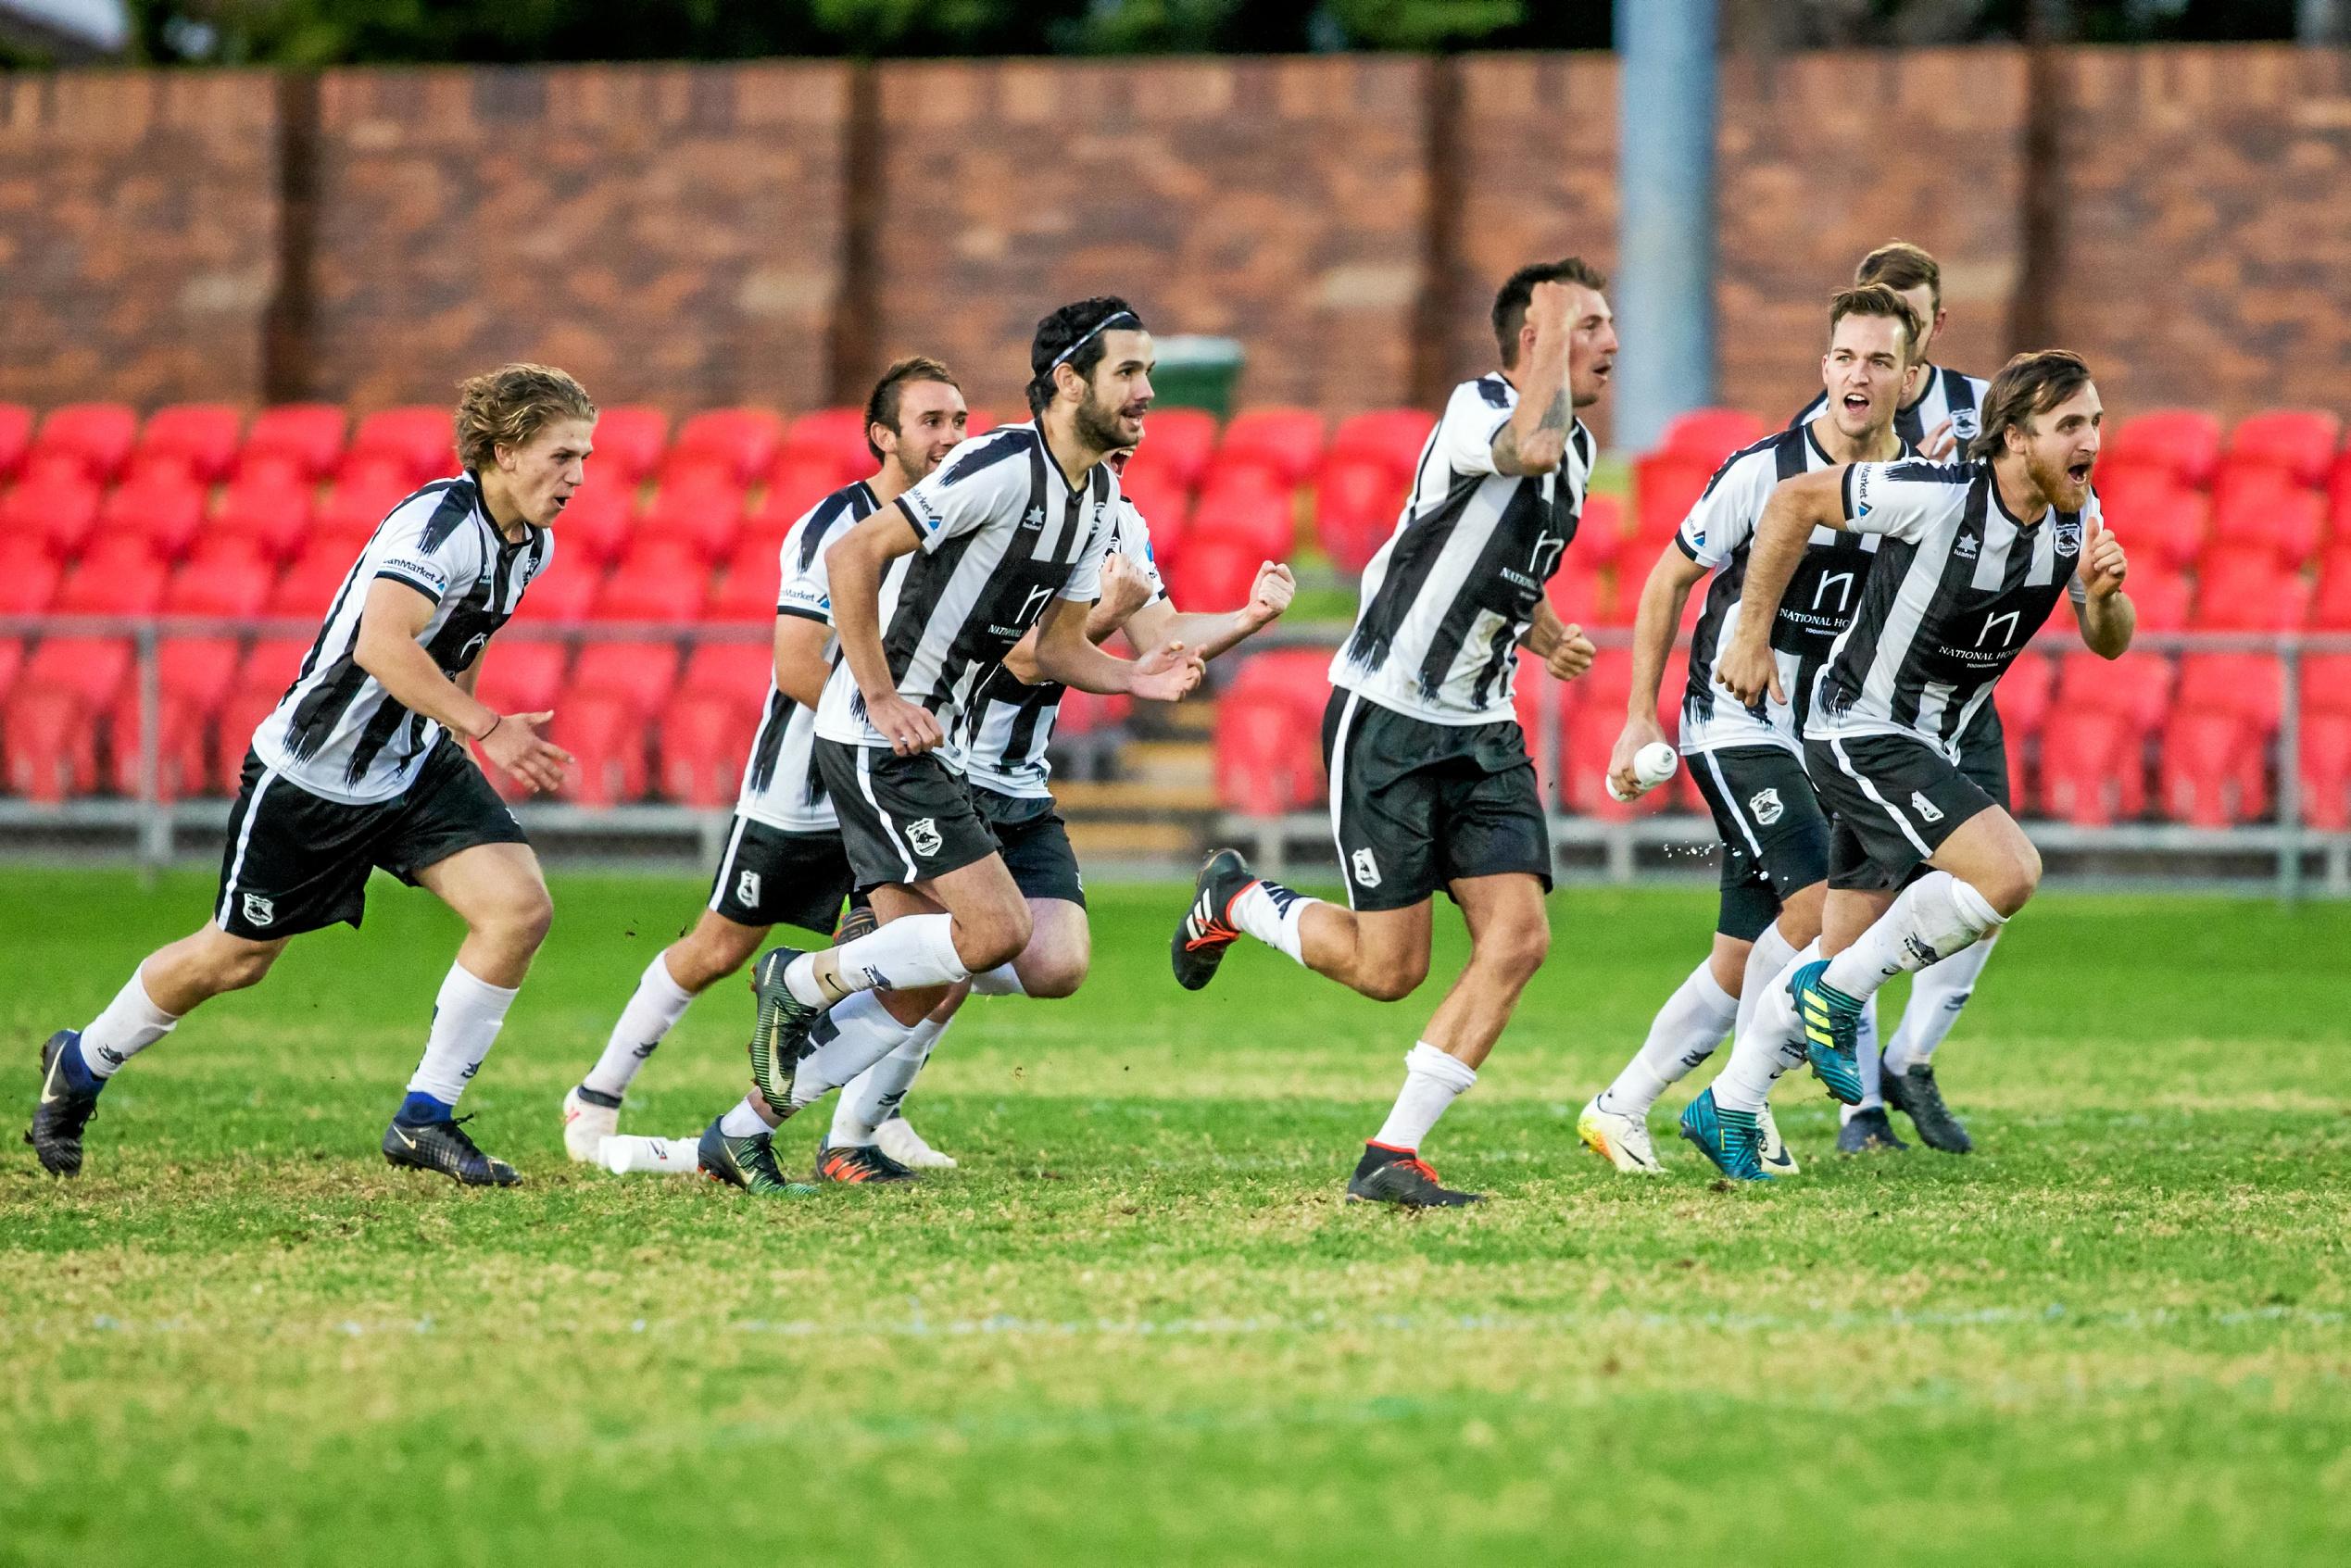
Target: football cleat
[
  {"x": 1868, "y": 1132},
  {"x": 779, "y": 1038},
  {"x": 443, "y": 1146},
  {"x": 62, "y": 1110},
  {"x": 1207, "y": 928},
  {"x": 1770, "y": 1147},
  {"x": 858, "y": 1163},
  {"x": 1831, "y": 1022},
  {"x": 1401, "y": 1177},
  {"x": 897, "y": 1138},
  {"x": 1620, "y": 1139},
  {"x": 589, "y": 1119},
  {"x": 1730, "y": 1138},
  {"x": 1913, "y": 1092},
  {"x": 747, "y": 1163}
]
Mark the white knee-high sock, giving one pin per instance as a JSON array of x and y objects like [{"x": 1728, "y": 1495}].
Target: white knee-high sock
[
  {"x": 1002, "y": 981},
  {"x": 844, "y": 1043},
  {"x": 1685, "y": 1033},
  {"x": 1865, "y": 1055},
  {"x": 466, "y": 1019},
  {"x": 902, "y": 956},
  {"x": 744, "y": 1119},
  {"x": 871, "y": 1098},
  {"x": 1432, "y": 1082},
  {"x": 1935, "y": 916},
  {"x": 1937, "y": 996},
  {"x": 1270, "y": 912},
  {"x": 1771, "y": 1043},
  {"x": 131, "y": 1023},
  {"x": 1765, "y": 961},
  {"x": 653, "y": 1010}
]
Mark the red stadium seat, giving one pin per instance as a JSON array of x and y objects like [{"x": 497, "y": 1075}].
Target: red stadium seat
[
  {"x": 418, "y": 442},
  {"x": 2162, "y": 599},
  {"x": 2326, "y": 771},
  {"x": 1177, "y": 443},
  {"x": 359, "y": 502},
  {"x": 1284, "y": 443},
  {"x": 742, "y": 441},
  {"x": 59, "y": 510},
  {"x": 706, "y": 739},
  {"x": 2330, "y": 607},
  {"x": 1242, "y": 508},
  {"x": 1356, "y": 507},
  {"x": 562, "y": 596},
  {"x": 2025, "y": 696},
  {"x": 2299, "y": 442},
  {"x": 637, "y": 674},
  {"x": 1712, "y": 434},
  {"x": 198, "y": 438},
  {"x": 1591, "y": 732},
  {"x": 2158, "y": 521},
  {"x": 698, "y": 508},
  {"x": 306, "y": 591},
  {"x": 163, "y": 508},
  {"x": 2249, "y": 594},
  {"x": 1214, "y": 575},
  {"x": 121, "y": 581},
  {"x": 96, "y": 437},
  {"x": 304, "y": 437},
  {"x": 2262, "y": 509},
  {"x": 52, "y": 747},
  {"x": 747, "y": 592},
  {"x": 1394, "y": 436},
  {"x": 821, "y": 452},
  {"x": 232, "y": 728},
  {"x": 1666, "y": 485},
  {"x": 606, "y": 736},
  {"x": 2245, "y": 686},
  {"x": 229, "y": 582},
  {"x": 2184, "y": 443},
  {"x": 2092, "y": 767},
  {"x": 595, "y": 526},
  {"x": 2215, "y": 771},
  {"x": 29, "y": 582},
  {"x": 1167, "y": 508},
  {"x": 1576, "y": 597},
  {"x": 629, "y": 442},
  {"x": 1600, "y": 533},
  {"x": 658, "y": 580},
  {"x": 15, "y": 437},
  {"x": 271, "y": 515},
  {"x": 1085, "y": 713},
  {"x": 1269, "y": 757},
  {"x": 796, "y": 484},
  {"x": 2137, "y": 686},
  {"x": 520, "y": 676},
  {"x": 736, "y": 670},
  {"x": 2339, "y": 499}
]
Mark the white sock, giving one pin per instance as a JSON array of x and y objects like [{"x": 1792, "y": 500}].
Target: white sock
[
  {"x": 1270, "y": 912},
  {"x": 466, "y": 1019},
  {"x": 1772, "y": 1042},
  {"x": 1935, "y": 916},
  {"x": 1432, "y": 1080},
  {"x": 745, "y": 1121},
  {"x": 873, "y": 1094},
  {"x": 1685, "y": 1033},
  {"x": 905, "y": 955},
  {"x": 654, "y": 1009},
  {"x": 1002, "y": 981},
  {"x": 1767, "y": 957},
  {"x": 844, "y": 1043},
  {"x": 1866, "y": 1059},
  {"x": 131, "y": 1023},
  {"x": 1936, "y": 998}
]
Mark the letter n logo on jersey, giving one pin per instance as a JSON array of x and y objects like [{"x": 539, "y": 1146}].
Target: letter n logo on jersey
[
  {"x": 259, "y": 910},
  {"x": 1927, "y": 812},
  {"x": 747, "y": 890},
  {"x": 1366, "y": 869}
]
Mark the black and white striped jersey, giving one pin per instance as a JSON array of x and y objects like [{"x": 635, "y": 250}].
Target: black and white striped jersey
[
  {"x": 1010, "y": 729},
  {"x": 1959, "y": 588},
  {"x": 1002, "y": 535},
  {"x": 1943, "y": 394},
  {"x": 1818, "y": 604},
  {"x": 1453, "y": 590},
  {"x": 780, "y": 782},
  {"x": 336, "y": 732}
]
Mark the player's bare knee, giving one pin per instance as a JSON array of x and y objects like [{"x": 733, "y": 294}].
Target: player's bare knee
[
  {"x": 1393, "y": 982},
  {"x": 1517, "y": 949},
  {"x": 986, "y": 937},
  {"x": 1054, "y": 975},
  {"x": 520, "y": 919},
  {"x": 2013, "y": 883},
  {"x": 236, "y": 968}
]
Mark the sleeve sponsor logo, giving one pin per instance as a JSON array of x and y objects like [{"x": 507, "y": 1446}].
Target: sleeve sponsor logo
[{"x": 422, "y": 570}]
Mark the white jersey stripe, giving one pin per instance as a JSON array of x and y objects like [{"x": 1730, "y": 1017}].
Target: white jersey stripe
[
  {"x": 865, "y": 788},
  {"x": 1731, "y": 800},
  {"x": 245, "y": 836},
  {"x": 726, "y": 862},
  {"x": 1339, "y": 786},
  {"x": 1926, "y": 850}
]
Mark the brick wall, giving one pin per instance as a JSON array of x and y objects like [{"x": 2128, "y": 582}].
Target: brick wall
[{"x": 138, "y": 235}]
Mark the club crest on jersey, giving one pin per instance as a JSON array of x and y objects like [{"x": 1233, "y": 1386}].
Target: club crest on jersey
[
  {"x": 1965, "y": 548},
  {"x": 2069, "y": 536},
  {"x": 1366, "y": 868},
  {"x": 1963, "y": 424},
  {"x": 925, "y": 837},
  {"x": 1927, "y": 809},
  {"x": 259, "y": 910},
  {"x": 1766, "y": 806},
  {"x": 747, "y": 889}
]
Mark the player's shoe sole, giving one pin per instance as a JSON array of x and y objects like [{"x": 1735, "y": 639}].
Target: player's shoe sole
[
  {"x": 589, "y": 1119},
  {"x": 443, "y": 1148},
  {"x": 1914, "y": 1093},
  {"x": 1729, "y": 1138},
  {"x": 1771, "y": 1148},
  {"x": 779, "y": 1038},
  {"x": 1831, "y": 1022},
  {"x": 1207, "y": 931},
  {"x": 60, "y": 1113},
  {"x": 746, "y": 1164},
  {"x": 1621, "y": 1140}
]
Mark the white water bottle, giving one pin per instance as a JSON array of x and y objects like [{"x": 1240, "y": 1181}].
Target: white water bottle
[{"x": 623, "y": 1154}]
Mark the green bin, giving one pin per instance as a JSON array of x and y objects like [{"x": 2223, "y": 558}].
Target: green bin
[{"x": 1196, "y": 372}]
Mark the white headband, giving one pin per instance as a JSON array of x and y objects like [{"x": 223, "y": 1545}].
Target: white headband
[{"x": 1105, "y": 324}]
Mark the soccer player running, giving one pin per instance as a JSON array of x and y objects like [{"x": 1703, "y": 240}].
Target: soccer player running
[
  {"x": 1922, "y": 862},
  {"x": 359, "y": 765},
  {"x": 1003, "y": 754},
  {"x": 1749, "y": 762},
  {"x": 784, "y": 862},
  {"x": 1430, "y": 784},
  {"x": 929, "y": 595}
]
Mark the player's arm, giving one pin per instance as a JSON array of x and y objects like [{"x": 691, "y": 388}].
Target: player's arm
[
  {"x": 390, "y": 621},
  {"x": 800, "y": 670},
  {"x": 1125, "y": 592},
  {"x": 2104, "y": 612},
  {"x": 1561, "y": 644},
  {"x": 1797, "y": 506},
  {"x": 1159, "y": 625},
  {"x": 1065, "y": 654},
  {"x": 1535, "y": 441},
  {"x": 855, "y": 564},
  {"x": 1661, "y": 597}
]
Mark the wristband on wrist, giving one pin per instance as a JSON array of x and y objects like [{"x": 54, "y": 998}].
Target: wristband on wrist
[{"x": 495, "y": 719}]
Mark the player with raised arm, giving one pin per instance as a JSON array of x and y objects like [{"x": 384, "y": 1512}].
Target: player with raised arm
[
  {"x": 359, "y": 765},
  {"x": 929, "y": 595},
  {"x": 1749, "y": 762},
  {"x": 1430, "y": 784},
  {"x": 1974, "y": 556},
  {"x": 784, "y": 862}
]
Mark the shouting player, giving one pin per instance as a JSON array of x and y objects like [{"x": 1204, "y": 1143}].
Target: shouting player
[
  {"x": 783, "y": 863},
  {"x": 1922, "y": 862},
  {"x": 1430, "y": 784},
  {"x": 359, "y": 765},
  {"x": 1748, "y": 763}
]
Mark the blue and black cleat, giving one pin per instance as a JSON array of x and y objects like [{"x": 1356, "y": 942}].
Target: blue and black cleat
[
  {"x": 1831, "y": 1022},
  {"x": 1731, "y": 1138}
]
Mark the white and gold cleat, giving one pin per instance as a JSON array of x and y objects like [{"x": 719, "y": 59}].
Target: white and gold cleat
[
  {"x": 1621, "y": 1140},
  {"x": 1772, "y": 1150}
]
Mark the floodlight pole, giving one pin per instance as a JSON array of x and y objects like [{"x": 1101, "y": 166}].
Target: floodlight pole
[{"x": 1666, "y": 92}]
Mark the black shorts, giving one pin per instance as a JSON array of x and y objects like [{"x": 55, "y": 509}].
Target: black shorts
[
  {"x": 1775, "y": 836},
  {"x": 903, "y": 819},
  {"x": 295, "y": 862},
  {"x": 1417, "y": 806},
  {"x": 1035, "y": 844},
  {"x": 1892, "y": 799},
  {"x": 771, "y": 877},
  {"x": 1983, "y": 754}
]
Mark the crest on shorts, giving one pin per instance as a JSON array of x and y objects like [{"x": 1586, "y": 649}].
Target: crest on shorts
[
  {"x": 923, "y": 835},
  {"x": 259, "y": 910},
  {"x": 1366, "y": 868},
  {"x": 747, "y": 889},
  {"x": 1765, "y": 803},
  {"x": 1926, "y": 808}
]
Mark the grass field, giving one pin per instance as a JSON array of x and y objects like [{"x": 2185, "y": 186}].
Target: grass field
[{"x": 1137, "y": 1325}]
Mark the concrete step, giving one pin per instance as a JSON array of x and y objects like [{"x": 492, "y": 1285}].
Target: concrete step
[
  {"x": 1126, "y": 839},
  {"x": 1136, "y": 799},
  {"x": 1168, "y": 762}
]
